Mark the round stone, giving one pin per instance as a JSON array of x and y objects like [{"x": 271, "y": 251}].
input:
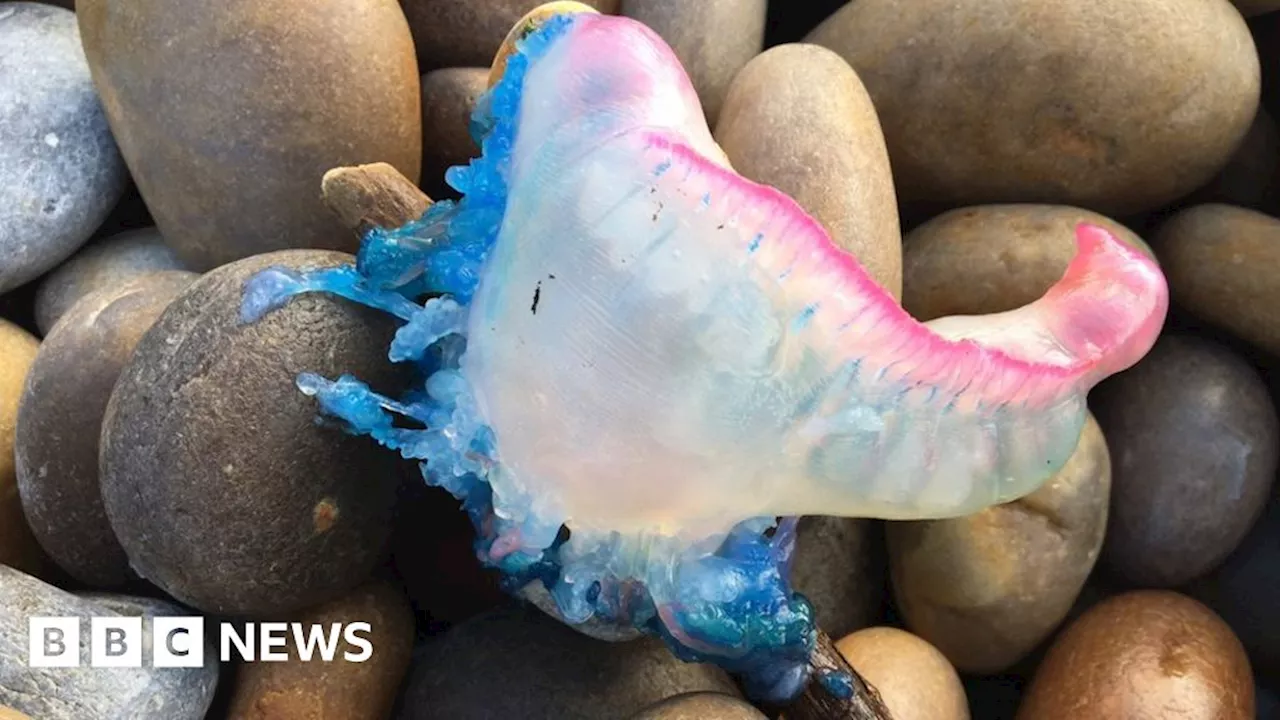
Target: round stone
[
  {"x": 60, "y": 170},
  {"x": 1219, "y": 260},
  {"x": 839, "y": 567},
  {"x": 298, "y": 689},
  {"x": 1144, "y": 654},
  {"x": 1250, "y": 175},
  {"x": 18, "y": 546},
  {"x": 992, "y": 258},
  {"x": 448, "y": 97},
  {"x": 517, "y": 662},
  {"x": 987, "y": 101},
  {"x": 217, "y": 480},
  {"x": 105, "y": 264},
  {"x": 915, "y": 680},
  {"x": 229, "y": 155},
  {"x": 1193, "y": 437},
  {"x": 700, "y": 706},
  {"x": 93, "y": 693},
  {"x": 60, "y": 420},
  {"x": 986, "y": 589},
  {"x": 797, "y": 118},
  {"x": 712, "y": 38},
  {"x": 467, "y": 33}
]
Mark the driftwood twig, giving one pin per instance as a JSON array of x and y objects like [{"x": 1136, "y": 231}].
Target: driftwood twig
[{"x": 377, "y": 195}]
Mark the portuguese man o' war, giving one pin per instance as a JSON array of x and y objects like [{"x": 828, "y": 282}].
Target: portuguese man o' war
[{"x": 639, "y": 368}]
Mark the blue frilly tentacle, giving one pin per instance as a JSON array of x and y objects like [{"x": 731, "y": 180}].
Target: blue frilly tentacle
[{"x": 729, "y": 604}]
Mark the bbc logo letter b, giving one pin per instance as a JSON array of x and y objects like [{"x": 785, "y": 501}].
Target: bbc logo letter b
[{"x": 54, "y": 642}]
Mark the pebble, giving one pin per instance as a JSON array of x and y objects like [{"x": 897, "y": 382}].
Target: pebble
[
  {"x": 18, "y": 546},
  {"x": 1220, "y": 262},
  {"x": 219, "y": 483},
  {"x": 1144, "y": 654},
  {"x": 987, "y": 101},
  {"x": 93, "y": 693},
  {"x": 229, "y": 155},
  {"x": 467, "y": 33},
  {"x": 104, "y": 264},
  {"x": 448, "y": 97},
  {"x": 712, "y": 38},
  {"x": 60, "y": 170},
  {"x": 11, "y": 714},
  {"x": 839, "y": 567},
  {"x": 992, "y": 258},
  {"x": 1245, "y": 591},
  {"x": 1249, "y": 177},
  {"x": 60, "y": 419},
  {"x": 797, "y": 118},
  {"x": 913, "y": 678},
  {"x": 1193, "y": 437},
  {"x": 699, "y": 706},
  {"x": 986, "y": 589},
  {"x": 516, "y": 662},
  {"x": 302, "y": 690}
]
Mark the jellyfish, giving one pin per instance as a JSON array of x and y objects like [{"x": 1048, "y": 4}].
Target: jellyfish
[{"x": 637, "y": 368}]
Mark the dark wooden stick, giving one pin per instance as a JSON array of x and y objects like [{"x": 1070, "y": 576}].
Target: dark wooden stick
[
  {"x": 368, "y": 196},
  {"x": 818, "y": 703},
  {"x": 377, "y": 195}
]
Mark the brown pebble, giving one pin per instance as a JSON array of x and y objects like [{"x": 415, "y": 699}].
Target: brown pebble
[
  {"x": 992, "y": 258},
  {"x": 1193, "y": 437},
  {"x": 229, "y": 155},
  {"x": 987, "y": 588},
  {"x": 298, "y": 690},
  {"x": 712, "y": 38},
  {"x": 467, "y": 33},
  {"x": 913, "y": 678},
  {"x": 700, "y": 706},
  {"x": 1220, "y": 262},
  {"x": 448, "y": 97},
  {"x": 838, "y": 565},
  {"x": 798, "y": 118},
  {"x": 1046, "y": 101},
  {"x": 1144, "y": 654},
  {"x": 60, "y": 420},
  {"x": 18, "y": 546}
]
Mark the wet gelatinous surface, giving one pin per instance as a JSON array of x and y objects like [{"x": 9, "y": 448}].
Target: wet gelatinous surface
[{"x": 621, "y": 338}]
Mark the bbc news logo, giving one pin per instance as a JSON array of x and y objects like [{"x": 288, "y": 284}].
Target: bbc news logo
[{"x": 179, "y": 642}]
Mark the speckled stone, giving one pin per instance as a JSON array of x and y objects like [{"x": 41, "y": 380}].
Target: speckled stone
[
  {"x": 218, "y": 481},
  {"x": 987, "y": 101},
  {"x": 913, "y": 678},
  {"x": 839, "y": 567},
  {"x": 798, "y": 118},
  {"x": 18, "y": 547},
  {"x": 993, "y": 258},
  {"x": 467, "y": 33},
  {"x": 60, "y": 420},
  {"x": 60, "y": 170},
  {"x": 229, "y": 155},
  {"x": 700, "y": 706},
  {"x": 985, "y": 589},
  {"x": 298, "y": 690},
  {"x": 712, "y": 38},
  {"x": 1144, "y": 654},
  {"x": 106, "y": 263},
  {"x": 448, "y": 97},
  {"x": 89, "y": 693},
  {"x": 1193, "y": 437},
  {"x": 519, "y": 663},
  {"x": 1221, "y": 264}
]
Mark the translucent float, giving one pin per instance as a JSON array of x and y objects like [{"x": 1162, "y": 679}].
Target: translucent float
[{"x": 639, "y": 368}]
